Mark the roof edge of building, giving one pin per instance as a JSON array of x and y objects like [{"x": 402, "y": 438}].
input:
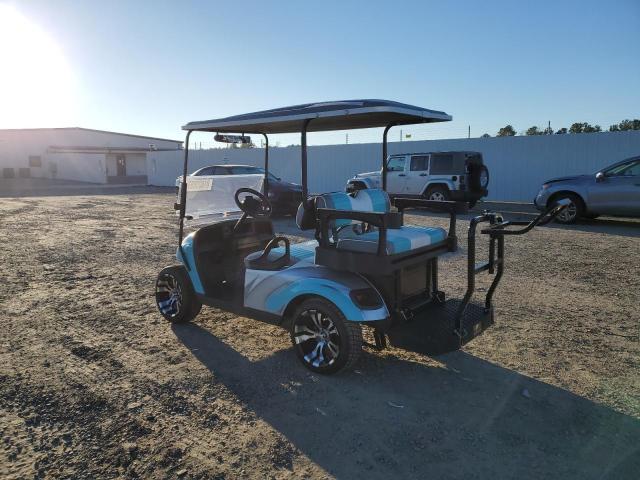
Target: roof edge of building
[{"x": 90, "y": 130}]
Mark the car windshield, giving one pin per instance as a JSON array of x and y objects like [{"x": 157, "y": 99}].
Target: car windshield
[{"x": 247, "y": 170}]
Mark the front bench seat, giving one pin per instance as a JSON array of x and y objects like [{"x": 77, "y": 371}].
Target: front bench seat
[{"x": 399, "y": 240}]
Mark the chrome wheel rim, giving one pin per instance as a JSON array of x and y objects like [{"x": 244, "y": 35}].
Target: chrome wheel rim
[
  {"x": 317, "y": 337},
  {"x": 568, "y": 214},
  {"x": 168, "y": 295},
  {"x": 437, "y": 196},
  {"x": 484, "y": 178}
]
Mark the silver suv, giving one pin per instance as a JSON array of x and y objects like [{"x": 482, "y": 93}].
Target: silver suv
[
  {"x": 459, "y": 176},
  {"x": 614, "y": 190}
]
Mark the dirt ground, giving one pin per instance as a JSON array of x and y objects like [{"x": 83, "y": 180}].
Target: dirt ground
[{"x": 95, "y": 384}]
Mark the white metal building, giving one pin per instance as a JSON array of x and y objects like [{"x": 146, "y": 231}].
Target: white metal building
[
  {"x": 517, "y": 165},
  {"x": 81, "y": 154}
]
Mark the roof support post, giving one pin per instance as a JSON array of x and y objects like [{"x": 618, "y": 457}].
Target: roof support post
[
  {"x": 384, "y": 156},
  {"x": 183, "y": 188},
  {"x": 266, "y": 165},
  {"x": 303, "y": 146}
]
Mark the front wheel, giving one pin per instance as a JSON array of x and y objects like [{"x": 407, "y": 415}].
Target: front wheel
[
  {"x": 175, "y": 297},
  {"x": 324, "y": 340},
  {"x": 574, "y": 210}
]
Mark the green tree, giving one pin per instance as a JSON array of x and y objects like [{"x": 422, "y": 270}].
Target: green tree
[
  {"x": 534, "y": 131},
  {"x": 562, "y": 131},
  {"x": 625, "y": 125},
  {"x": 506, "y": 131},
  {"x": 486, "y": 135},
  {"x": 577, "y": 128},
  {"x": 584, "y": 127}
]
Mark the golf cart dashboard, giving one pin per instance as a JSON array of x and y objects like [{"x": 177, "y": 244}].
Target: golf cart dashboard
[{"x": 250, "y": 232}]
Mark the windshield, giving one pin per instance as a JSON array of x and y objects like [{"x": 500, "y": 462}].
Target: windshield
[
  {"x": 245, "y": 170},
  {"x": 211, "y": 198}
]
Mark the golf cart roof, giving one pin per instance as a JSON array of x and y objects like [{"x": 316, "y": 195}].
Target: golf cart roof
[{"x": 337, "y": 115}]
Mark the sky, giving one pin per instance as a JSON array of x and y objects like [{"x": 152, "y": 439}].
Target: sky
[{"x": 148, "y": 67}]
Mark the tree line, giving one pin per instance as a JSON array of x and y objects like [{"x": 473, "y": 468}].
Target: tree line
[{"x": 578, "y": 127}]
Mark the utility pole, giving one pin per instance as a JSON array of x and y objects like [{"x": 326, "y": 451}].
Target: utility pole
[
  {"x": 469, "y": 133},
  {"x": 400, "y": 134},
  {"x": 347, "y": 139}
]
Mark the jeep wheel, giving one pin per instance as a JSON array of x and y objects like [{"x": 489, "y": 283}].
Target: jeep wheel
[{"x": 437, "y": 193}]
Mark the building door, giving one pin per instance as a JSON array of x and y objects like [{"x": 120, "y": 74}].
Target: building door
[{"x": 121, "y": 165}]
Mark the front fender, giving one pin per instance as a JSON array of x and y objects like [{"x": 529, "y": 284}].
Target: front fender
[{"x": 190, "y": 262}]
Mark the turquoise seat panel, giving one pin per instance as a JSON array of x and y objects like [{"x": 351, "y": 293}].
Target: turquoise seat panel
[{"x": 399, "y": 240}]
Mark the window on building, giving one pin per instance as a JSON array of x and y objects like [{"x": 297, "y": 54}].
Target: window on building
[{"x": 35, "y": 161}]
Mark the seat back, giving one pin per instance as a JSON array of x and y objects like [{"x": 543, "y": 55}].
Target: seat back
[{"x": 368, "y": 200}]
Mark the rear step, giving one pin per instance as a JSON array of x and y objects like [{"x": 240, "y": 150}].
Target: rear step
[{"x": 432, "y": 330}]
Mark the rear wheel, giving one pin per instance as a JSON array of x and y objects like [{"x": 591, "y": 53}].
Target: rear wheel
[
  {"x": 437, "y": 193},
  {"x": 175, "y": 297},
  {"x": 324, "y": 340},
  {"x": 573, "y": 212}
]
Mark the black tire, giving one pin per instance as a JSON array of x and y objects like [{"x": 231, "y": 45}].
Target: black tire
[
  {"x": 354, "y": 187},
  {"x": 337, "y": 342},
  {"x": 437, "y": 193},
  {"x": 573, "y": 212},
  {"x": 175, "y": 297}
]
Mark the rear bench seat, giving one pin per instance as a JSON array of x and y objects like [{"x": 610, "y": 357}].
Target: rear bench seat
[{"x": 399, "y": 240}]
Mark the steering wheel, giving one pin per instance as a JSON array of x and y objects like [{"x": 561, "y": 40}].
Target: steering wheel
[{"x": 250, "y": 206}]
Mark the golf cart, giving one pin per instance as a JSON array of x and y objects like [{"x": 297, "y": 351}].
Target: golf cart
[{"x": 365, "y": 267}]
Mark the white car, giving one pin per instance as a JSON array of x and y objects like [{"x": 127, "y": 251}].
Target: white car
[{"x": 458, "y": 176}]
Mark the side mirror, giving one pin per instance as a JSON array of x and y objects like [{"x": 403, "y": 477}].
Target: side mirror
[
  {"x": 279, "y": 179},
  {"x": 600, "y": 177}
]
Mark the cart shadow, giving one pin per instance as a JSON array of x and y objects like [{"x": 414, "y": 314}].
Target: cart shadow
[{"x": 399, "y": 419}]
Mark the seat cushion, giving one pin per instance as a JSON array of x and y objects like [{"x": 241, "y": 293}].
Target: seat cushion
[{"x": 399, "y": 240}]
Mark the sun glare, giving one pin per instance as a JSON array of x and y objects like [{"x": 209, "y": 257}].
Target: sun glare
[{"x": 36, "y": 82}]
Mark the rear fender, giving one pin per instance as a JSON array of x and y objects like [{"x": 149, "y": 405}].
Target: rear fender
[
  {"x": 441, "y": 183},
  {"x": 274, "y": 292}
]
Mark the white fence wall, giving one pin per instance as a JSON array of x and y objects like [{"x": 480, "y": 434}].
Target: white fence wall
[{"x": 517, "y": 165}]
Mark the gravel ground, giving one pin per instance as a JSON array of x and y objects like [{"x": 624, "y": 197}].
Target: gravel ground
[{"x": 94, "y": 384}]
